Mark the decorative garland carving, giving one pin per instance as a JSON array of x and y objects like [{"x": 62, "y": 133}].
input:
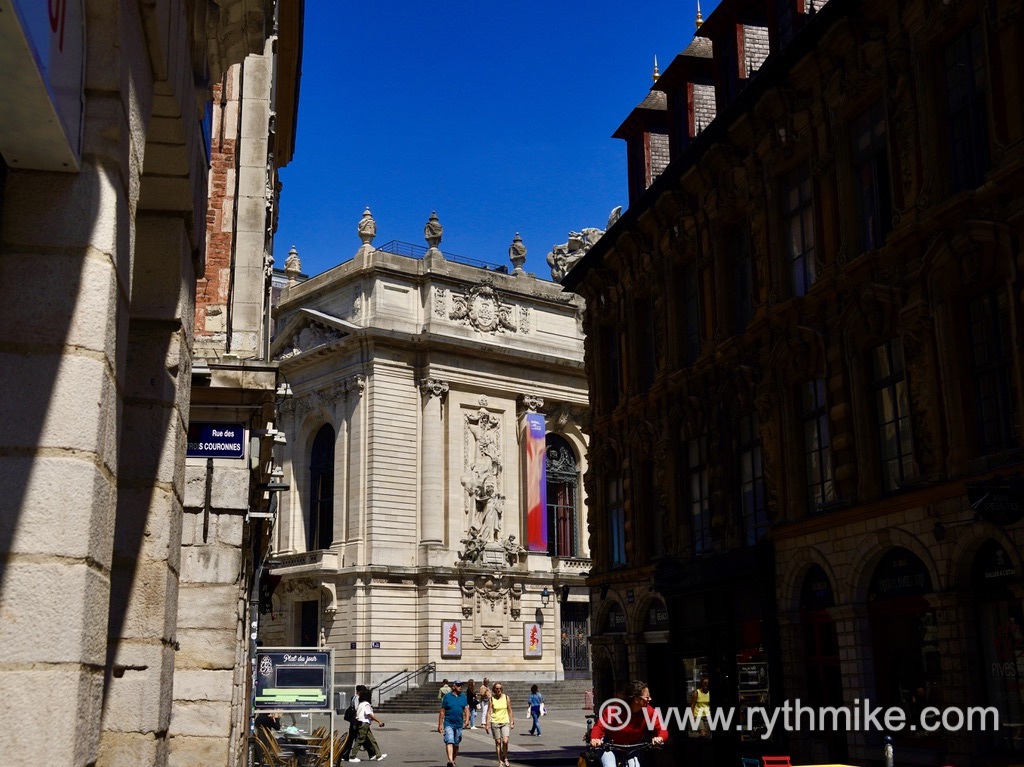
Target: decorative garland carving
[{"x": 313, "y": 335}]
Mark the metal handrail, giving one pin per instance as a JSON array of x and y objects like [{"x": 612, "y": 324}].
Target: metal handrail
[
  {"x": 412, "y": 250},
  {"x": 403, "y": 677}
]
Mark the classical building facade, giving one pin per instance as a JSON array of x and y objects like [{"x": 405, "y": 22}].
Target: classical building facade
[
  {"x": 415, "y": 530},
  {"x": 105, "y": 133},
  {"x": 802, "y": 346}
]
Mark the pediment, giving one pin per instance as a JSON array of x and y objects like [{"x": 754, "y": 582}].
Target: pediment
[{"x": 309, "y": 330}]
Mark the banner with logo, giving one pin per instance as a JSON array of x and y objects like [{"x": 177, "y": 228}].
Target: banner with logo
[{"x": 536, "y": 483}]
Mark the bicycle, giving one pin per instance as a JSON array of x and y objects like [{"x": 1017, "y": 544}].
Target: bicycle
[{"x": 626, "y": 754}]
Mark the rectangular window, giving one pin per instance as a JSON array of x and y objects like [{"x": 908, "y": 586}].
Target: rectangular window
[
  {"x": 644, "y": 362},
  {"x": 871, "y": 177},
  {"x": 753, "y": 504},
  {"x": 892, "y": 406},
  {"x": 744, "y": 309},
  {"x": 798, "y": 223},
  {"x": 699, "y": 499},
  {"x": 817, "y": 452},
  {"x": 610, "y": 360},
  {"x": 966, "y": 117},
  {"x": 691, "y": 314},
  {"x": 617, "y": 523},
  {"x": 651, "y": 509},
  {"x": 992, "y": 371}
]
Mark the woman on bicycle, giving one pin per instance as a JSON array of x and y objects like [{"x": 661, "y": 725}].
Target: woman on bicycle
[{"x": 630, "y": 726}]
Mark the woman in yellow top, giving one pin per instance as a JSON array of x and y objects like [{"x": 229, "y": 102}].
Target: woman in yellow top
[
  {"x": 700, "y": 705},
  {"x": 500, "y": 721}
]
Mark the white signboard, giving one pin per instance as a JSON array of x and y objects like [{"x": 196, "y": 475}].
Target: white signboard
[{"x": 42, "y": 55}]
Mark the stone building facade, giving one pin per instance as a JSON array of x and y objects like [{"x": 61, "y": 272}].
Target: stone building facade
[
  {"x": 802, "y": 346},
  {"x": 102, "y": 235},
  {"x": 406, "y": 524}
]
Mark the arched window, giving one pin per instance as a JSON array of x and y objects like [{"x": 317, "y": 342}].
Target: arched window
[
  {"x": 320, "y": 522},
  {"x": 563, "y": 498}
]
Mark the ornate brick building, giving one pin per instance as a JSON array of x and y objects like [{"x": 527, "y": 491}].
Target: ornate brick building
[{"x": 802, "y": 347}]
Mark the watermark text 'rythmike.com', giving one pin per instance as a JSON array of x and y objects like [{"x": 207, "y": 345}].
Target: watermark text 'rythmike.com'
[{"x": 793, "y": 716}]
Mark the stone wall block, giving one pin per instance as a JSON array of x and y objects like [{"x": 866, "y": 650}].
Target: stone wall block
[
  {"x": 139, "y": 701},
  {"x": 155, "y": 452},
  {"x": 207, "y": 606},
  {"x": 189, "y": 751},
  {"x": 162, "y": 265},
  {"x": 54, "y": 611},
  {"x": 64, "y": 299},
  {"x": 148, "y": 612},
  {"x": 65, "y": 510},
  {"x": 253, "y": 153},
  {"x": 230, "y": 529},
  {"x": 130, "y": 748},
  {"x": 72, "y": 696},
  {"x": 190, "y": 685},
  {"x": 201, "y": 718},
  {"x": 69, "y": 411},
  {"x": 210, "y": 564},
  {"x": 206, "y": 649},
  {"x": 255, "y": 118},
  {"x": 230, "y": 489},
  {"x": 195, "y": 489}
]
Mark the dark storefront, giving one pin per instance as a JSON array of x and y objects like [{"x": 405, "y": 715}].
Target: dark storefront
[{"x": 722, "y": 623}]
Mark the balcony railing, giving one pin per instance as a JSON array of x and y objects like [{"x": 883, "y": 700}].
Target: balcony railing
[{"x": 411, "y": 250}]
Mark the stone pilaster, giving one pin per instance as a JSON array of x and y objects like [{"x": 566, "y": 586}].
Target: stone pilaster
[{"x": 432, "y": 522}]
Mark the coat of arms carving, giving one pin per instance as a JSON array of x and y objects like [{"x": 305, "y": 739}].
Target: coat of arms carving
[{"x": 482, "y": 308}]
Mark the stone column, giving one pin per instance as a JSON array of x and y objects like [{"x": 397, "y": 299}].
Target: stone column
[{"x": 432, "y": 444}]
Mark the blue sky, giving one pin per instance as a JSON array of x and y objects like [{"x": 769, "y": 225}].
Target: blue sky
[{"x": 498, "y": 115}]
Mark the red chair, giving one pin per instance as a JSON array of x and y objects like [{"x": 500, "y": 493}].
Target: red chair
[{"x": 776, "y": 761}]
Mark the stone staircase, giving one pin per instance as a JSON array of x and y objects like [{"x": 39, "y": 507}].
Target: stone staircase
[{"x": 566, "y": 694}]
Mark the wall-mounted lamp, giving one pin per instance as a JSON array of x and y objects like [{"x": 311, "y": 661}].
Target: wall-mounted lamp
[{"x": 545, "y": 597}]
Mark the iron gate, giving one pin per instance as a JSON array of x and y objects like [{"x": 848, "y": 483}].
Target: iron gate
[{"x": 575, "y": 640}]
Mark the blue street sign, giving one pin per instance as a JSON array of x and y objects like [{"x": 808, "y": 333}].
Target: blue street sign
[{"x": 207, "y": 439}]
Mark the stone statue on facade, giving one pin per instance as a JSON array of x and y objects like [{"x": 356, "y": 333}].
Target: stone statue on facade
[
  {"x": 292, "y": 266},
  {"x": 482, "y": 483},
  {"x": 433, "y": 231},
  {"x": 517, "y": 254},
  {"x": 367, "y": 230},
  {"x": 564, "y": 257}
]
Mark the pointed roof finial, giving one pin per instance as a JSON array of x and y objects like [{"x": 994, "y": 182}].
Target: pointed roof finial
[
  {"x": 700, "y": 19},
  {"x": 656, "y": 73}
]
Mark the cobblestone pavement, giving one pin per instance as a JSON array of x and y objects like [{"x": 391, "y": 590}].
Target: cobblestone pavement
[{"x": 413, "y": 739}]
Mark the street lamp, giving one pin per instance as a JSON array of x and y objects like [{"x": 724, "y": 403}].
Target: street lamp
[{"x": 545, "y": 597}]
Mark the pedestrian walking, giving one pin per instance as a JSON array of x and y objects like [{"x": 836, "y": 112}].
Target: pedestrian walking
[
  {"x": 451, "y": 719},
  {"x": 473, "y": 702},
  {"x": 536, "y": 702},
  {"x": 444, "y": 690},
  {"x": 364, "y": 716},
  {"x": 483, "y": 694},
  {"x": 499, "y": 722},
  {"x": 353, "y": 724}
]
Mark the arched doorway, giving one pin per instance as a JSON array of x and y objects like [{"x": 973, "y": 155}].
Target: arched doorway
[
  {"x": 904, "y": 630},
  {"x": 821, "y": 652},
  {"x": 994, "y": 581}
]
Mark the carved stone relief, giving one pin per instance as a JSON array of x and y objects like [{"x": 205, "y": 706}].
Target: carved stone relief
[
  {"x": 482, "y": 476},
  {"x": 310, "y": 337},
  {"x": 440, "y": 301},
  {"x": 483, "y": 309}
]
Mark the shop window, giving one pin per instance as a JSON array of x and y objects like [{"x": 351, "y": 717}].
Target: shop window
[
  {"x": 966, "y": 111},
  {"x": 753, "y": 504},
  {"x": 320, "y": 522},
  {"x": 698, "y": 495},
  {"x": 1001, "y": 636},
  {"x": 563, "y": 497},
  {"x": 992, "y": 371},
  {"x": 307, "y": 623},
  {"x": 871, "y": 177},
  {"x": 616, "y": 523},
  {"x": 817, "y": 446},
  {"x": 905, "y": 632},
  {"x": 798, "y": 224},
  {"x": 892, "y": 414}
]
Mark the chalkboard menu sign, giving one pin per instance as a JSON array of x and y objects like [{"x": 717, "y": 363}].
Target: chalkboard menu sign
[{"x": 294, "y": 679}]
